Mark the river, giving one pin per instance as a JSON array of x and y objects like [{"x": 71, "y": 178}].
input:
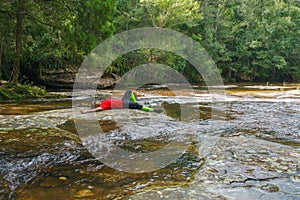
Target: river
[{"x": 250, "y": 152}]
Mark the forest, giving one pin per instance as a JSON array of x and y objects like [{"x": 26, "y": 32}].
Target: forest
[
  {"x": 249, "y": 40},
  {"x": 152, "y": 124}
]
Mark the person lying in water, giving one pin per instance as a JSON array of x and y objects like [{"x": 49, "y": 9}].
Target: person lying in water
[{"x": 128, "y": 101}]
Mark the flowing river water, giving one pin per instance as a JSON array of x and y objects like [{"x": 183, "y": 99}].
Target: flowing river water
[{"x": 255, "y": 151}]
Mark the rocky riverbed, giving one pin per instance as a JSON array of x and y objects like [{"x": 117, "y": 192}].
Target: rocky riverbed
[{"x": 253, "y": 152}]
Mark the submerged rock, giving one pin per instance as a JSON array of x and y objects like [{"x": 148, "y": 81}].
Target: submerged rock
[
  {"x": 84, "y": 193},
  {"x": 270, "y": 188}
]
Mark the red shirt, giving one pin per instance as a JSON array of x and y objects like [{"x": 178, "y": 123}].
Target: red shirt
[{"x": 111, "y": 104}]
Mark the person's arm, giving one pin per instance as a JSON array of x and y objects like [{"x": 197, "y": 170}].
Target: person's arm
[{"x": 91, "y": 110}]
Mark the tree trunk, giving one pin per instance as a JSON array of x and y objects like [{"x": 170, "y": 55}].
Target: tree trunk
[
  {"x": 1, "y": 48},
  {"x": 20, "y": 17}
]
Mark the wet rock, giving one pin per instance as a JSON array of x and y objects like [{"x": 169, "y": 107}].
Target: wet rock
[
  {"x": 84, "y": 193},
  {"x": 249, "y": 173},
  {"x": 296, "y": 178},
  {"x": 270, "y": 188},
  {"x": 176, "y": 193},
  {"x": 65, "y": 78}
]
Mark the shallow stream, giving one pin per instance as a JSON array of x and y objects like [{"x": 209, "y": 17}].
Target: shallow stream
[{"x": 252, "y": 152}]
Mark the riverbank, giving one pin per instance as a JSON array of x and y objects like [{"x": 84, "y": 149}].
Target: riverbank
[{"x": 10, "y": 91}]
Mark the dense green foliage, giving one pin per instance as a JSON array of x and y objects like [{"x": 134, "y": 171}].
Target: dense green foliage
[
  {"x": 249, "y": 40},
  {"x": 54, "y": 33},
  {"x": 14, "y": 92}
]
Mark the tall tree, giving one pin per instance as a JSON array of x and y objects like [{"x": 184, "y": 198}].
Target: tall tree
[
  {"x": 20, "y": 14},
  {"x": 1, "y": 52},
  {"x": 49, "y": 13},
  {"x": 6, "y": 39}
]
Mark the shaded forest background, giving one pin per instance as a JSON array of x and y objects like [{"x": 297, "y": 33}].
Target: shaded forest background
[{"x": 249, "y": 40}]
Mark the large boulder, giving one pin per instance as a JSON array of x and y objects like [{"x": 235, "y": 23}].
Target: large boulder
[{"x": 65, "y": 78}]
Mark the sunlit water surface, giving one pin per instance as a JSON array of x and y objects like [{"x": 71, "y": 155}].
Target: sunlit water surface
[{"x": 253, "y": 151}]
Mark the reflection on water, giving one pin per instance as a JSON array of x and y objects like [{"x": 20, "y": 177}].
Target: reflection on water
[{"x": 256, "y": 156}]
